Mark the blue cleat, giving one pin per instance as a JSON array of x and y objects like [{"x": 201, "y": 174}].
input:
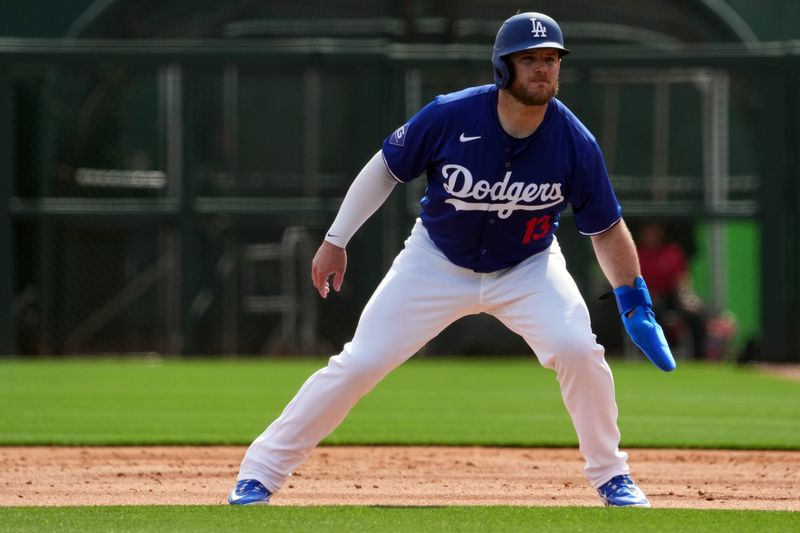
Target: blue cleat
[
  {"x": 621, "y": 491},
  {"x": 249, "y": 492}
]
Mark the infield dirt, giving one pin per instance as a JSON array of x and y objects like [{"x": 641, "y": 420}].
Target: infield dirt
[{"x": 394, "y": 475}]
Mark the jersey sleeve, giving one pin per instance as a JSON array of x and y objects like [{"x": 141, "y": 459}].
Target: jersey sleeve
[
  {"x": 409, "y": 150},
  {"x": 593, "y": 200}
]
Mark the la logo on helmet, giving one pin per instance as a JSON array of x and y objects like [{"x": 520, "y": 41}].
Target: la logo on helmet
[{"x": 539, "y": 29}]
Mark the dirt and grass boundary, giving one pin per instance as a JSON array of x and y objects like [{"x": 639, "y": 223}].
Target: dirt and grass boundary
[{"x": 395, "y": 476}]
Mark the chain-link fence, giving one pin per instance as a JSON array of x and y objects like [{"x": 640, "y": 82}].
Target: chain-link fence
[{"x": 168, "y": 198}]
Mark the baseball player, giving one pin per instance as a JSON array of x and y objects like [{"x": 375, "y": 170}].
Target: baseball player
[{"x": 502, "y": 162}]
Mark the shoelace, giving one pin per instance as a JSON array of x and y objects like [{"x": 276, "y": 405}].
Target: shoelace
[
  {"x": 247, "y": 486},
  {"x": 622, "y": 482}
]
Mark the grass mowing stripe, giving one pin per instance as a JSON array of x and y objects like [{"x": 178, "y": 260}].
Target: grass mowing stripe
[
  {"x": 404, "y": 519},
  {"x": 510, "y": 402}
]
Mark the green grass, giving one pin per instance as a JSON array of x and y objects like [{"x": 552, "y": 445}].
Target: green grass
[
  {"x": 404, "y": 519},
  {"x": 477, "y": 401},
  {"x": 510, "y": 402}
]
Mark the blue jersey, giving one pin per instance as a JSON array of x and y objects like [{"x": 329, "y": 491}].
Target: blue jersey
[{"x": 492, "y": 200}]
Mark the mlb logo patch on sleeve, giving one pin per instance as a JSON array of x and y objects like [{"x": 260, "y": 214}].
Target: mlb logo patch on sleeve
[{"x": 398, "y": 138}]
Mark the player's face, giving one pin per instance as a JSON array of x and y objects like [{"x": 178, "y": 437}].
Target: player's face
[{"x": 535, "y": 75}]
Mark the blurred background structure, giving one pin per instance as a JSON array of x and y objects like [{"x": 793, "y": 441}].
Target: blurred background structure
[{"x": 168, "y": 168}]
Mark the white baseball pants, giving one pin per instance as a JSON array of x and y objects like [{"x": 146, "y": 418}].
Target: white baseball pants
[{"x": 422, "y": 294}]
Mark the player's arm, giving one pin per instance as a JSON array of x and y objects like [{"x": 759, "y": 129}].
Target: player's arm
[
  {"x": 367, "y": 193},
  {"x": 616, "y": 253}
]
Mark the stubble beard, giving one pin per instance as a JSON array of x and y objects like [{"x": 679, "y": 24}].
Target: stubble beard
[{"x": 535, "y": 97}]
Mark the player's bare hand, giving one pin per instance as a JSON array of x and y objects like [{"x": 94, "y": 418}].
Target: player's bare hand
[{"x": 330, "y": 260}]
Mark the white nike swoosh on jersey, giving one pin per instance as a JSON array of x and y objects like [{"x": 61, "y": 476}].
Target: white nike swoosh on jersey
[{"x": 465, "y": 139}]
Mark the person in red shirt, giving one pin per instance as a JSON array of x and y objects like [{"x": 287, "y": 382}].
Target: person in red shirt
[{"x": 665, "y": 267}]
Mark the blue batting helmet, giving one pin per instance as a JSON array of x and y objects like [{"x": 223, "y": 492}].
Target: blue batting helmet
[{"x": 523, "y": 32}]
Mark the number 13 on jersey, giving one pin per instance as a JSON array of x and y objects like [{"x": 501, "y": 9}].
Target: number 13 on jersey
[{"x": 536, "y": 228}]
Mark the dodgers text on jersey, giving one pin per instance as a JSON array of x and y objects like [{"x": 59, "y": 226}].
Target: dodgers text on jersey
[{"x": 505, "y": 195}]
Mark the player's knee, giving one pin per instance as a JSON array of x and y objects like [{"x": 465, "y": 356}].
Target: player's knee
[
  {"x": 574, "y": 351},
  {"x": 359, "y": 368}
]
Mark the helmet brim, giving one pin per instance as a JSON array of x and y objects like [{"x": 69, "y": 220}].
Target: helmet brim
[{"x": 561, "y": 50}]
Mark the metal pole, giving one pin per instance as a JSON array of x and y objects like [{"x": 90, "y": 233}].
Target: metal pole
[
  {"x": 610, "y": 125},
  {"x": 7, "y": 333},
  {"x": 715, "y": 162},
  {"x": 312, "y": 129},
  {"x": 176, "y": 313},
  {"x": 661, "y": 113},
  {"x": 230, "y": 260}
]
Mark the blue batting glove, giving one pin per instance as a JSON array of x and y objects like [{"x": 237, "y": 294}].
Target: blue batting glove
[{"x": 641, "y": 325}]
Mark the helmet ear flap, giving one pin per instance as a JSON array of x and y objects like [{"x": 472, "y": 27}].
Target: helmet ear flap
[
  {"x": 509, "y": 71},
  {"x": 503, "y": 72}
]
